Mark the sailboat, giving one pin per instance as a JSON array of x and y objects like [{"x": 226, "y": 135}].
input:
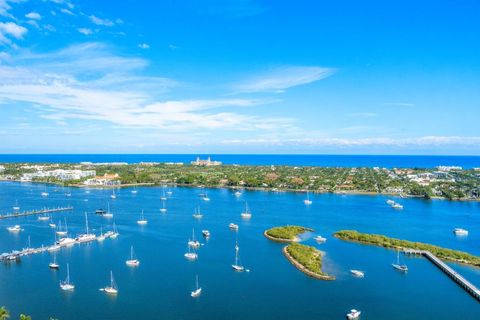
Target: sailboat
[
  {"x": 142, "y": 221},
  {"x": 67, "y": 285},
  {"x": 113, "y": 195},
  {"x": 112, "y": 288},
  {"x": 307, "y": 201},
  {"x": 169, "y": 193},
  {"x": 43, "y": 217},
  {"x": 16, "y": 207},
  {"x": 108, "y": 214},
  {"x": 353, "y": 314},
  {"x": 238, "y": 193},
  {"x": 45, "y": 193},
  {"x": 163, "y": 197},
  {"x": 54, "y": 264},
  {"x": 134, "y": 191},
  {"x": 191, "y": 254},
  {"x": 112, "y": 234},
  {"x": 197, "y": 214},
  {"x": 247, "y": 214},
  {"x": 193, "y": 243},
  {"x": 15, "y": 228},
  {"x": 86, "y": 236},
  {"x": 132, "y": 262},
  {"x": 163, "y": 209},
  {"x": 101, "y": 237},
  {"x": 205, "y": 197},
  {"x": 52, "y": 225},
  {"x": 68, "y": 194},
  {"x": 237, "y": 266},
  {"x": 61, "y": 232},
  {"x": 398, "y": 266},
  {"x": 197, "y": 292},
  {"x": 55, "y": 245}
]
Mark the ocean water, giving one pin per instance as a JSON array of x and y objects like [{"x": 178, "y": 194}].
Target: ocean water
[
  {"x": 273, "y": 289},
  {"x": 256, "y": 159}
]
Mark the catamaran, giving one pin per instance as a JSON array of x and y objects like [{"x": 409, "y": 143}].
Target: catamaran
[
  {"x": 237, "y": 266},
  {"x": 398, "y": 266},
  {"x": 54, "y": 264},
  {"x": 112, "y": 288},
  {"x": 142, "y": 221},
  {"x": 67, "y": 285},
  {"x": 197, "y": 292},
  {"x": 191, "y": 254},
  {"x": 357, "y": 273},
  {"x": 193, "y": 243},
  {"x": 163, "y": 209},
  {"x": 86, "y": 236},
  {"x": 353, "y": 314},
  {"x": 132, "y": 262},
  {"x": 197, "y": 214},
  {"x": 247, "y": 214},
  {"x": 307, "y": 201},
  {"x": 15, "y": 228}
]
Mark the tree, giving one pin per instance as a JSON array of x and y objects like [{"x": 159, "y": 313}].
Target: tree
[
  {"x": 25, "y": 317},
  {"x": 4, "y": 314}
]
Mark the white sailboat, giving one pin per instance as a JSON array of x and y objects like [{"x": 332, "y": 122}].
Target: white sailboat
[
  {"x": 163, "y": 209},
  {"x": 108, "y": 214},
  {"x": 43, "y": 217},
  {"x": 142, "y": 221},
  {"x": 353, "y": 314},
  {"x": 61, "y": 232},
  {"x": 320, "y": 239},
  {"x": 193, "y": 243},
  {"x": 112, "y": 234},
  {"x": 205, "y": 197},
  {"x": 191, "y": 254},
  {"x": 398, "y": 266},
  {"x": 247, "y": 214},
  {"x": 460, "y": 232},
  {"x": 237, "y": 266},
  {"x": 197, "y": 292},
  {"x": 54, "y": 264},
  {"x": 112, "y": 288},
  {"x": 132, "y": 262},
  {"x": 197, "y": 214},
  {"x": 134, "y": 191},
  {"x": 101, "y": 237},
  {"x": 233, "y": 226},
  {"x": 52, "y": 225},
  {"x": 45, "y": 193},
  {"x": 113, "y": 195},
  {"x": 307, "y": 201},
  {"x": 163, "y": 197},
  {"x": 15, "y": 228},
  {"x": 86, "y": 236},
  {"x": 237, "y": 194},
  {"x": 16, "y": 207},
  {"x": 67, "y": 285},
  {"x": 357, "y": 273}
]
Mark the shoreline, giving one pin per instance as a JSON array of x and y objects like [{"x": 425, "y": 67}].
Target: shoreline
[{"x": 301, "y": 268}]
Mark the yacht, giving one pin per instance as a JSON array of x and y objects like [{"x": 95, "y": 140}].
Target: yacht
[
  {"x": 233, "y": 226},
  {"x": 112, "y": 288},
  {"x": 353, "y": 314},
  {"x": 460, "y": 232},
  {"x": 52, "y": 225},
  {"x": 193, "y": 243},
  {"x": 206, "y": 233},
  {"x": 191, "y": 255},
  {"x": 15, "y": 228},
  {"x": 169, "y": 193},
  {"x": 142, "y": 221},
  {"x": 100, "y": 211},
  {"x": 43, "y": 218},
  {"x": 397, "y": 205},
  {"x": 67, "y": 285},
  {"x": 66, "y": 242},
  {"x": 54, "y": 264},
  {"x": 237, "y": 266},
  {"x": 320, "y": 239},
  {"x": 237, "y": 193},
  {"x": 357, "y": 273},
  {"x": 45, "y": 194},
  {"x": 197, "y": 292},
  {"x": 246, "y": 214},
  {"x": 307, "y": 201},
  {"x": 86, "y": 236},
  {"x": 163, "y": 209},
  {"x": 390, "y": 202},
  {"x": 398, "y": 266},
  {"x": 112, "y": 234},
  {"x": 61, "y": 232},
  {"x": 197, "y": 214},
  {"x": 132, "y": 262}
]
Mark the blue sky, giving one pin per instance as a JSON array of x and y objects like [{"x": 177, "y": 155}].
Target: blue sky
[{"x": 239, "y": 76}]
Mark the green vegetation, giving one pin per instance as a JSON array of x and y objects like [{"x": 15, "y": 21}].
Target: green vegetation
[
  {"x": 383, "y": 241},
  {"x": 5, "y": 314},
  {"x": 307, "y": 259},
  {"x": 286, "y": 233}
]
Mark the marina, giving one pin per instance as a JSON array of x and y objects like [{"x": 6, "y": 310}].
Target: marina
[{"x": 35, "y": 212}]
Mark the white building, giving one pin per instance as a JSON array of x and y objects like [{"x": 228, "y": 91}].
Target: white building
[
  {"x": 60, "y": 174},
  {"x": 206, "y": 163}
]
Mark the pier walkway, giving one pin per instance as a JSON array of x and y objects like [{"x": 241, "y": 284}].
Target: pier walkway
[
  {"x": 455, "y": 276},
  {"x": 34, "y": 212}
]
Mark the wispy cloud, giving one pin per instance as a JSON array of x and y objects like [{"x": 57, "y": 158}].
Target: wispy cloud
[
  {"x": 10, "y": 30},
  {"x": 33, "y": 15},
  {"x": 101, "y": 22},
  {"x": 144, "y": 45},
  {"x": 279, "y": 79},
  {"x": 85, "y": 31},
  {"x": 67, "y": 11}
]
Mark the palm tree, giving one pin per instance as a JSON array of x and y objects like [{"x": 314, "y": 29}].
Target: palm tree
[{"x": 4, "y": 314}]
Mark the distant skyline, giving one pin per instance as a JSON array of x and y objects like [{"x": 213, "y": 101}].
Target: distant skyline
[{"x": 240, "y": 76}]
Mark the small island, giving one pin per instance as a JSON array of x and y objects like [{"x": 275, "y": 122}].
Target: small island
[
  {"x": 306, "y": 259},
  {"x": 286, "y": 233},
  {"x": 386, "y": 242}
]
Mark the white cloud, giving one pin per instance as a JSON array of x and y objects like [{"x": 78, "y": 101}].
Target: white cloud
[
  {"x": 85, "y": 31},
  {"x": 282, "y": 78},
  {"x": 144, "y": 46},
  {"x": 101, "y": 22},
  {"x": 49, "y": 27},
  {"x": 9, "y": 30},
  {"x": 66, "y": 11},
  {"x": 33, "y": 15}
]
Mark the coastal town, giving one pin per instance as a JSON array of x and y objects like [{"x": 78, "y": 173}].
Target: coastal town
[{"x": 448, "y": 182}]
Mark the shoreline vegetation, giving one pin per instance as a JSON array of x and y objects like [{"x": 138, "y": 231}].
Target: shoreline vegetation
[
  {"x": 392, "y": 243},
  {"x": 442, "y": 183},
  {"x": 285, "y": 233},
  {"x": 307, "y": 259}
]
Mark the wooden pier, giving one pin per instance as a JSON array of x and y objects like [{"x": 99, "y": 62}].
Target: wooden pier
[
  {"x": 455, "y": 276},
  {"x": 34, "y": 212}
]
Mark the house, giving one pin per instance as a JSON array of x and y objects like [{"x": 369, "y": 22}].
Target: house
[{"x": 105, "y": 180}]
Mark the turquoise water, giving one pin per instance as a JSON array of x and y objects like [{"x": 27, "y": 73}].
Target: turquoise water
[{"x": 273, "y": 289}]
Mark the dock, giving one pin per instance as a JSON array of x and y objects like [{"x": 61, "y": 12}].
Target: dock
[
  {"x": 35, "y": 212},
  {"x": 455, "y": 276}
]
